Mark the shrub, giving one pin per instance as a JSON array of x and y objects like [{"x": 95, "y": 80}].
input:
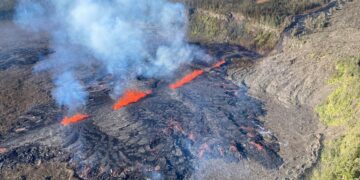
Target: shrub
[
  {"x": 342, "y": 105},
  {"x": 340, "y": 158},
  {"x": 273, "y": 12}
]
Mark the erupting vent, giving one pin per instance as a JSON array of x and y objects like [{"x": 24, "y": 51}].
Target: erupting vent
[
  {"x": 129, "y": 97},
  {"x": 219, "y": 64},
  {"x": 166, "y": 135},
  {"x": 74, "y": 119},
  {"x": 169, "y": 135},
  {"x": 186, "y": 79}
]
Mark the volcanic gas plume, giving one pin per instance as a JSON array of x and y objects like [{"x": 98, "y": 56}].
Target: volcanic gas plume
[
  {"x": 129, "y": 97},
  {"x": 133, "y": 96},
  {"x": 167, "y": 136},
  {"x": 122, "y": 39}
]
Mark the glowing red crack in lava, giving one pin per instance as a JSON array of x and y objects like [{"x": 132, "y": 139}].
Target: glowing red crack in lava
[
  {"x": 186, "y": 79},
  {"x": 132, "y": 96},
  {"x": 129, "y": 97},
  {"x": 74, "y": 119},
  {"x": 219, "y": 64},
  {"x": 189, "y": 77}
]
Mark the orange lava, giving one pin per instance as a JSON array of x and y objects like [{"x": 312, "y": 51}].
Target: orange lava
[
  {"x": 129, "y": 97},
  {"x": 188, "y": 78},
  {"x": 219, "y": 64},
  {"x": 74, "y": 119}
]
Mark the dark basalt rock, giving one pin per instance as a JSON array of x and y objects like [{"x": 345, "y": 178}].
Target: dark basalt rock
[
  {"x": 165, "y": 135},
  {"x": 30, "y": 154},
  {"x": 22, "y": 56}
]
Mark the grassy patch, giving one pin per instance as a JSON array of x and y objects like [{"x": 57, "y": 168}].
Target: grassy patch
[
  {"x": 342, "y": 105},
  {"x": 340, "y": 158},
  {"x": 265, "y": 40},
  {"x": 272, "y": 12},
  {"x": 206, "y": 26},
  {"x": 211, "y": 28},
  {"x": 254, "y": 25}
]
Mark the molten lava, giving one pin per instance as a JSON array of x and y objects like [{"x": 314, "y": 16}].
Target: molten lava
[
  {"x": 188, "y": 78},
  {"x": 129, "y": 97},
  {"x": 219, "y": 64},
  {"x": 74, "y": 119}
]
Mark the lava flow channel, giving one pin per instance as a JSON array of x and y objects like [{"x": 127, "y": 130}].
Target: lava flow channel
[
  {"x": 188, "y": 78},
  {"x": 74, "y": 119},
  {"x": 129, "y": 97},
  {"x": 219, "y": 64}
]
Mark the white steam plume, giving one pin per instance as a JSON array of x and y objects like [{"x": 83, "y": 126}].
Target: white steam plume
[{"x": 127, "y": 38}]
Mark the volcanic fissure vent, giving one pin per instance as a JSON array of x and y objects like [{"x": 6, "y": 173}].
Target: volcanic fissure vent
[{"x": 168, "y": 133}]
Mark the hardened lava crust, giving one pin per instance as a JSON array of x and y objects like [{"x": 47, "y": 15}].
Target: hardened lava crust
[{"x": 165, "y": 135}]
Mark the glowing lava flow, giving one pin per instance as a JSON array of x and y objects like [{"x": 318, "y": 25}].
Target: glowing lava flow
[
  {"x": 129, "y": 97},
  {"x": 186, "y": 79},
  {"x": 218, "y": 64},
  {"x": 74, "y": 119}
]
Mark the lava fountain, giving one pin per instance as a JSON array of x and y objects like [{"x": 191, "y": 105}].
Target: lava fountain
[
  {"x": 129, "y": 97},
  {"x": 74, "y": 119},
  {"x": 186, "y": 79}
]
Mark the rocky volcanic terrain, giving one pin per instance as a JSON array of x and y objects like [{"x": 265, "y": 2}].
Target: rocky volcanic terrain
[
  {"x": 169, "y": 134},
  {"x": 250, "y": 118}
]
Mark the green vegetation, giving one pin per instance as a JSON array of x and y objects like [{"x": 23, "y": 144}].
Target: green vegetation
[
  {"x": 317, "y": 23},
  {"x": 205, "y": 26},
  {"x": 209, "y": 26},
  {"x": 340, "y": 158},
  {"x": 214, "y": 29},
  {"x": 254, "y": 25},
  {"x": 342, "y": 105},
  {"x": 265, "y": 40},
  {"x": 272, "y": 12}
]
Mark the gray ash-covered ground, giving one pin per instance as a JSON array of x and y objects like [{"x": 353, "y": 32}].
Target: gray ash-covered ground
[{"x": 165, "y": 135}]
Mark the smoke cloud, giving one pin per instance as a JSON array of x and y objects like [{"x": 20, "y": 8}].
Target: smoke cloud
[{"x": 123, "y": 38}]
